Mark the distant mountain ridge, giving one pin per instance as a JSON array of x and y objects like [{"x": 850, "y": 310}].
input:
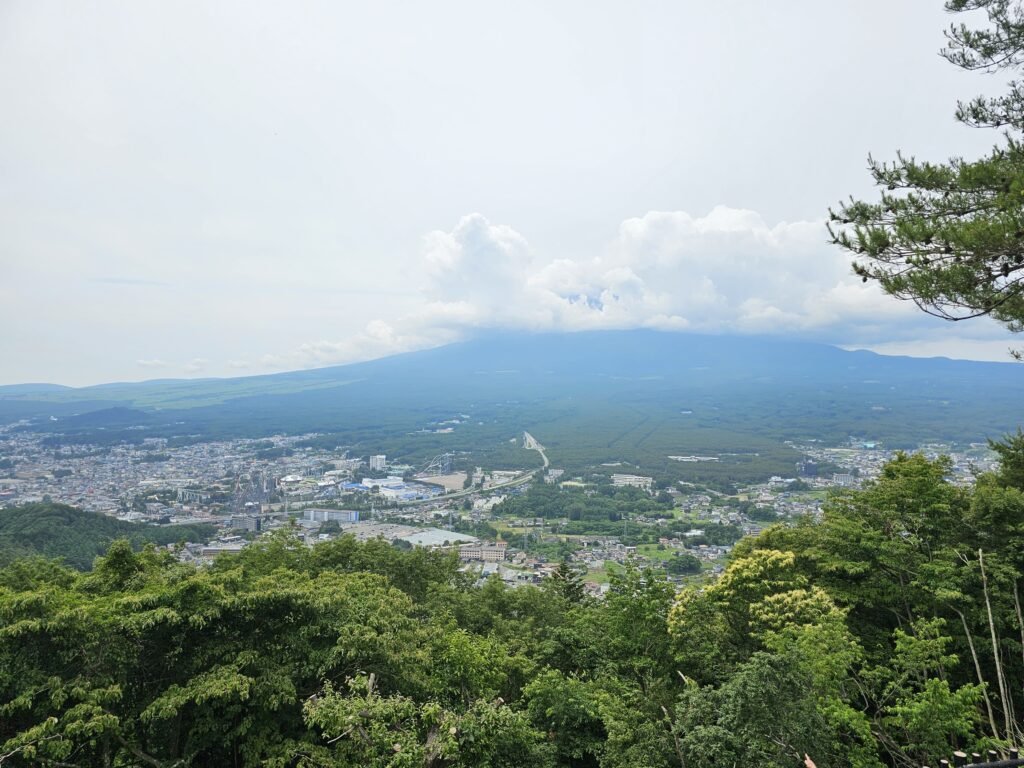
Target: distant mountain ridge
[
  {"x": 785, "y": 389},
  {"x": 633, "y": 353}
]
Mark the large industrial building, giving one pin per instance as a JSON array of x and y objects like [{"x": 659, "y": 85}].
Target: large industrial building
[
  {"x": 335, "y": 515},
  {"x": 394, "y": 488}
]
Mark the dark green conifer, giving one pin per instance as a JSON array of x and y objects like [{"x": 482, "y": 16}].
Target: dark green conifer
[{"x": 949, "y": 236}]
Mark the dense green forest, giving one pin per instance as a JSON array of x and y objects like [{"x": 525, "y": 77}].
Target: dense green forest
[
  {"x": 887, "y": 633},
  {"x": 78, "y": 537}
]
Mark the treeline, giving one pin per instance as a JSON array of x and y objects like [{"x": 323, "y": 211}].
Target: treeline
[
  {"x": 600, "y": 511},
  {"x": 887, "y": 633},
  {"x": 78, "y": 537},
  {"x": 603, "y": 503}
]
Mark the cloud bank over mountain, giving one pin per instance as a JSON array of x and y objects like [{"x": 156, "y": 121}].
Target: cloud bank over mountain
[{"x": 727, "y": 271}]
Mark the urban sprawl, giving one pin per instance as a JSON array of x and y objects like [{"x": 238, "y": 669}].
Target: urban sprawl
[{"x": 250, "y": 488}]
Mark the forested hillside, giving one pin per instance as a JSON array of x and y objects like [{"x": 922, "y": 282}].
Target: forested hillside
[
  {"x": 885, "y": 634},
  {"x": 78, "y": 537},
  {"x": 592, "y": 397}
]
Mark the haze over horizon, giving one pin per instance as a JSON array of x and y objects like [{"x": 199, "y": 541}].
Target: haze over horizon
[
  {"x": 573, "y": 344},
  {"x": 197, "y": 190}
]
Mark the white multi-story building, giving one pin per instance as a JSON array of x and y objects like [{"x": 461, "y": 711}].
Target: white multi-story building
[
  {"x": 489, "y": 553},
  {"x": 337, "y": 515},
  {"x": 636, "y": 481},
  {"x": 246, "y": 523},
  {"x": 378, "y": 462}
]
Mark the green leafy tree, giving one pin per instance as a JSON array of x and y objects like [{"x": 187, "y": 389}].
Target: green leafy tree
[
  {"x": 569, "y": 711},
  {"x": 144, "y": 660},
  {"x": 568, "y": 582},
  {"x": 682, "y": 564},
  {"x": 919, "y": 563},
  {"x": 778, "y": 660},
  {"x": 364, "y": 727},
  {"x": 762, "y": 715},
  {"x": 1011, "y": 459},
  {"x": 917, "y": 709}
]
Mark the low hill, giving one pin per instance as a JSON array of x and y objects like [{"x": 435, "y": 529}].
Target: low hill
[{"x": 76, "y": 536}]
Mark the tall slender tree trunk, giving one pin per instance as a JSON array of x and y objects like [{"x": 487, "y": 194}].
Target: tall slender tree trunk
[
  {"x": 1020, "y": 616},
  {"x": 1004, "y": 693},
  {"x": 981, "y": 677}
]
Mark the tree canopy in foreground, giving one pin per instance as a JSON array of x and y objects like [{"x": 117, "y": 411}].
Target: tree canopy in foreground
[{"x": 886, "y": 633}]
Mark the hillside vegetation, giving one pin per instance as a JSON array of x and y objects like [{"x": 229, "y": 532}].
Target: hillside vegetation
[
  {"x": 885, "y": 634},
  {"x": 78, "y": 537}
]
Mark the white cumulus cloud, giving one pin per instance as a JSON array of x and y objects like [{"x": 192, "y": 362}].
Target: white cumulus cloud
[{"x": 727, "y": 271}]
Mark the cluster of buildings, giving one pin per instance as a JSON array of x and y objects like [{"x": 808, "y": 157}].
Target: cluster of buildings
[
  {"x": 311, "y": 527},
  {"x": 861, "y": 460},
  {"x": 153, "y": 479},
  {"x": 707, "y": 552},
  {"x": 101, "y": 479},
  {"x": 251, "y": 487},
  {"x": 633, "y": 481},
  {"x": 393, "y": 488},
  {"x": 154, "y": 482}
]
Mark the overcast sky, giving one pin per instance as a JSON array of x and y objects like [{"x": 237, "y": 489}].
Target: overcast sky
[{"x": 210, "y": 189}]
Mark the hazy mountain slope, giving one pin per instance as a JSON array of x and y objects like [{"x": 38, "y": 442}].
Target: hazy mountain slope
[
  {"x": 630, "y": 355},
  {"x": 638, "y": 396}
]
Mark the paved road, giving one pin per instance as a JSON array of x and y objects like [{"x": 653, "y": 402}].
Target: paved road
[{"x": 529, "y": 443}]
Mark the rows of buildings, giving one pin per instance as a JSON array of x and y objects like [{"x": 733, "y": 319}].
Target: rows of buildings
[{"x": 249, "y": 488}]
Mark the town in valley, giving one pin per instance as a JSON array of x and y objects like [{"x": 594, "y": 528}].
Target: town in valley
[{"x": 514, "y": 523}]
